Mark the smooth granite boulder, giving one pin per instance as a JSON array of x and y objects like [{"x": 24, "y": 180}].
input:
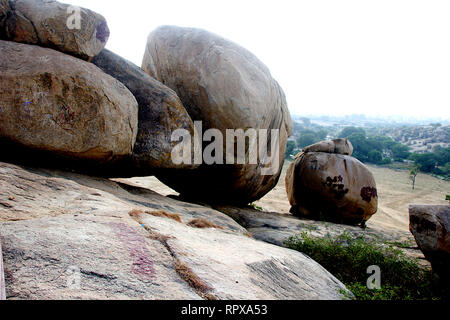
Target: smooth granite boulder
[{"x": 225, "y": 87}]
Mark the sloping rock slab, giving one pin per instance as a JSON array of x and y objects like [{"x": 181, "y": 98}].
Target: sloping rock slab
[
  {"x": 82, "y": 257},
  {"x": 68, "y": 236},
  {"x": 27, "y": 193},
  {"x": 254, "y": 270}
]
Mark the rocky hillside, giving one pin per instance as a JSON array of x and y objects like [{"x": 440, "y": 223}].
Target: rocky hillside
[{"x": 205, "y": 116}]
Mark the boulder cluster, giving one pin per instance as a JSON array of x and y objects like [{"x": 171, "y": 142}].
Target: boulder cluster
[{"x": 67, "y": 100}]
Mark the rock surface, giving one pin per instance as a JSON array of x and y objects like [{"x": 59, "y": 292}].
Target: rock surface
[
  {"x": 337, "y": 146},
  {"x": 333, "y": 187},
  {"x": 226, "y": 87},
  {"x": 56, "y": 103},
  {"x": 430, "y": 226},
  {"x": 69, "y": 236},
  {"x": 46, "y": 23},
  {"x": 160, "y": 114}
]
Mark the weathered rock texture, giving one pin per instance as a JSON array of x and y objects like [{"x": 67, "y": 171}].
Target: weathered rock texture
[
  {"x": 62, "y": 105},
  {"x": 226, "y": 87},
  {"x": 337, "y": 146},
  {"x": 430, "y": 226},
  {"x": 332, "y": 187},
  {"x": 46, "y": 23},
  {"x": 160, "y": 114},
  {"x": 69, "y": 236}
]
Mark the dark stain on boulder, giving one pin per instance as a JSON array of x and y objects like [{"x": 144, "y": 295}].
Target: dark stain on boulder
[
  {"x": 102, "y": 32},
  {"x": 422, "y": 225},
  {"x": 367, "y": 193},
  {"x": 46, "y": 80},
  {"x": 337, "y": 187}
]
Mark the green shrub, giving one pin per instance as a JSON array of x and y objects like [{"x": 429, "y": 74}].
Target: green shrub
[
  {"x": 348, "y": 258},
  {"x": 255, "y": 207}
]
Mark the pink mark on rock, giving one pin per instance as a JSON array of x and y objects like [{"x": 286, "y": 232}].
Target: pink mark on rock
[{"x": 137, "y": 247}]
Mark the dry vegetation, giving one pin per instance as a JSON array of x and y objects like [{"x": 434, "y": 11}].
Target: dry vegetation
[
  {"x": 135, "y": 213},
  {"x": 201, "y": 223},
  {"x": 163, "y": 214},
  {"x": 191, "y": 278}
]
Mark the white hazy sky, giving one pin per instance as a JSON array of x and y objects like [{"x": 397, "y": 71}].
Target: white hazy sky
[{"x": 380, "y": 57}]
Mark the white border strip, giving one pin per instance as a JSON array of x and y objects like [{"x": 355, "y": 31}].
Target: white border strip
[{"x": 2, "y": 277}]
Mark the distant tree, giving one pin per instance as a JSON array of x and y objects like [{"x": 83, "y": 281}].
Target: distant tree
[
  {"x": 400, "y": 152},
  {"x": 442, "y": 155},
  {"x": 306, "y": 139},
  {"x": 446, "y": 169},
  {"x": 322, "y": 134},
  {"x": 290, "y": 147},
  {"x": 361, "y": 149},
  {"x": 386, "y": 142},
  {"x": 375, "y": 156},
  {"x": 426, "y": 161},
  {"x": 348, "y": 131},
  {"x": 413, "y": 175}
]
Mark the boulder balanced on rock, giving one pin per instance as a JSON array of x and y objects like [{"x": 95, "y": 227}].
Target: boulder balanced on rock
[
  {"x": 225, "y": 87},
  {"x": 55, "y": 103},
  {"x": 331, "y": 186},
  {"x": 76, "y": 31}
]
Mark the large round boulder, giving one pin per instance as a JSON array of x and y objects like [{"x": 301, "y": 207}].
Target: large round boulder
[
  {"x": 225, "y": 87},
  {"x": 62, "y": 105},
  {"x": 161, "y": 113},
  {"x": 332, "y": 187},
  {"x": 48, "y": 23}
]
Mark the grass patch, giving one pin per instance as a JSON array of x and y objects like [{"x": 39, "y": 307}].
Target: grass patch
[
  {"x": 255, "y": 207},
  {"x": 404, "y": 244},
  {"x": 348, "y": 258}
]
